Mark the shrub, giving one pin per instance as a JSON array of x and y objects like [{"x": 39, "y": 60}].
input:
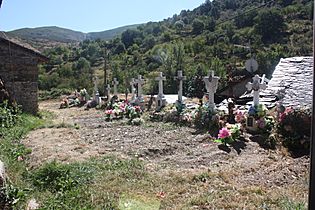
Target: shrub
[
  {"x": 295, "y": 126},
  {"x": 9, "y": 115}
]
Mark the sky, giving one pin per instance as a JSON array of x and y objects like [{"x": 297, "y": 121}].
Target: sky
[{"x": 88, "y": 15}]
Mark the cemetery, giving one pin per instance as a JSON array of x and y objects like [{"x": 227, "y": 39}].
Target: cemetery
[
  {"x": 208, "y": 109},
  {"x": 220, "y": 145}
]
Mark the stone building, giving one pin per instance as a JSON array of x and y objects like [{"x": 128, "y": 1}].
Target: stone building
[{"x": 19, "y": 72}]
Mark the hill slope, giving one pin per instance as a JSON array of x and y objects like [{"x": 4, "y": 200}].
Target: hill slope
[{"x": 50, "y": 36}]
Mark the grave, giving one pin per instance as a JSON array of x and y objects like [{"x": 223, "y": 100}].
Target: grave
[
  {"x": 160, "y": 99},
  {"x": 256, "y": 86},
  {"x": 96, "y": 98},
  {"x": 180, "y": 79},
  {"x": 115, "y": 83},
  {"x": 140, "y": 81},
  {"x": 133, "y": 90},
  {"x": 211, "y": 83},
  {"x": 108, "y": 91}
]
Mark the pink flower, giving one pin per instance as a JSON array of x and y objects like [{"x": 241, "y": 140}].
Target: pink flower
[
  {"x": 224, "y": 133},
  {"x": 109, "y": 112},
  {"x": 138, "y": 108},
  {"x": 239, "y": 117}
]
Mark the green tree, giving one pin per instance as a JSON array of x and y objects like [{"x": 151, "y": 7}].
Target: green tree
[
  {"x": 270, "y": 25},
  {"x": 197, "y": 26}
]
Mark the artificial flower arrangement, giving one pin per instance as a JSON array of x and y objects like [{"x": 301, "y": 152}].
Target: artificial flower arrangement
[
  {"x": 229, "y": 134},
  {"x": 123, "y": 109},
  {"x": 261, "y": 121}
]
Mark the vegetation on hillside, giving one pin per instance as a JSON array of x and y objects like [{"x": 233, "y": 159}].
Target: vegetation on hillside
[{"x": 219, "y": 35}]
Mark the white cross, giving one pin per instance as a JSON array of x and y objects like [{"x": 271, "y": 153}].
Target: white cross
[
  {"x": 115, "y": 83},
  {"x": 211, "y": 83},
  {"x": 256, "y": 86},
  {"x": 139, "y": 82},
  {"x": 133, "y": 90},
  {"x": 108, "y": 90},
  {"x": 160, "y": 78},
  {"x": 180, "y": 78}
]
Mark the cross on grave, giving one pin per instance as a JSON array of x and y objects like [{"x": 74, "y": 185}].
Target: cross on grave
[
  {"x": 139, "y": 82},
  {"x": 160, "y": 99},
  {"x": 97, "y": 98},
  {"x": 108, "y": 90},
  {"x": 115, "y": 83},
  {"x": 160, "y": 78},
  {"x": 256, "y": 86},
  {"x": 133, "y": 89},
  {"x": 180, "y": 78},
  {"x": 211, "y": 83}
]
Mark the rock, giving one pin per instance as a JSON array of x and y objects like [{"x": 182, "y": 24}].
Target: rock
[
  {"x": 2, "y": 174},
  {"x": 32, "y": 204}
]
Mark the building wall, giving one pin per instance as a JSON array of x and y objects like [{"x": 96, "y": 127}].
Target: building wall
[
  {"x": 237, "y": 89},
  {"x": 19, "y": 71}
]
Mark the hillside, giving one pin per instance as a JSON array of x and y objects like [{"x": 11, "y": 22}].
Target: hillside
[
  {"x": 52, "y": 36},
  {"x": 109, "y": 34},
  {"x": 219, "y": 35}
]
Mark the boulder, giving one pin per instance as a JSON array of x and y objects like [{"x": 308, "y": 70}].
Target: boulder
[{"x": 2, "y": 174}]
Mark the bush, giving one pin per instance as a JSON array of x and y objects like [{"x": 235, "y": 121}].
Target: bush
[
  {"x": 295, "y": 126},
  {"x": 9, "y": 115}
]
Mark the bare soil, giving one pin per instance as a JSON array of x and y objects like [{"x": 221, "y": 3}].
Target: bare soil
[{"x": 164, "y": 147}]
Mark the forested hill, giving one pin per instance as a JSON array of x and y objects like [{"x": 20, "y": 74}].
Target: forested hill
[
  {"x": 218, "y": 35},
  {"x": 50, "y": 36}
]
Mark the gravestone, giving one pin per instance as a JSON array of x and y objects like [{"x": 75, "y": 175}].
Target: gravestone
[
  {"x": 97, "y": 98},
  {"x": 133, "y": 90},
  {"x": 108, "y": 91},
  {"x": 160, "y": 99},
  {"x": 180, "y": 79},
  {"x": 115, "y": 83},
  {"x": 255, "y": 86},
  {"x": 211, "y": 83},
  {"x": 139, "y": 82}
]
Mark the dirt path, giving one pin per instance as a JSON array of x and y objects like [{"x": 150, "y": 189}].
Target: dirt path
[{"x": 162, "y": 147}]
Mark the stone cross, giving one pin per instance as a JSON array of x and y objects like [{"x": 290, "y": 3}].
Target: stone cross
[
  {"x": 133, "y": 90},
  {"x": 139, "y": 82},
  {"x": 108, "y": 90},
  {"x": 115, "y": 83},
  {"x": 256, "y": 86},
  {"x": 211, "y": 83},
  {"x": 160, "y": 78},
  {"x": 180, "y": 78},
  {"x": 96, "y": 93}
]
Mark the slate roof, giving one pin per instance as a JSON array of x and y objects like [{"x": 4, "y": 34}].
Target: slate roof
[
  {"x": 24, "y": 46},
  {"x": 291, "y": 82}
]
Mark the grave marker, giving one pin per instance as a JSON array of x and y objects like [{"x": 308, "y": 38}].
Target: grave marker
[
  {"x": 133, "y": 89},
  {"x": 180, "y": 78},
  {"x": 160, "y": 99},
  {"x": 211, "y": 83},
  {"x": 139, "y": 83},
  {"x": 256, "y": 86},
  {"x": 115, "y": 83}
]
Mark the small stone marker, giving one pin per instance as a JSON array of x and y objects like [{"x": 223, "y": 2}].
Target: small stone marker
[
  {"x": 211, "y": 83},
  {"x": 115, "y": 83},
  {"x": 180, "y": 78},
  {"x": 97, "y": 98},
  {"x": 139, "y": 82},
  {"x": 133, "y": 89},
  {"x": 256, "y": 86},
  {"x": 160, "y": 99},
  {"x": 108, "y": 91},
  {"x": 2, "y": 174}
]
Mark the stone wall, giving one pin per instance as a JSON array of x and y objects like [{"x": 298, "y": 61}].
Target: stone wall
[{"x": 19, "y": 71}]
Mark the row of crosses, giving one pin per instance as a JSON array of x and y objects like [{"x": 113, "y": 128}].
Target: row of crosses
[{"x": 211, "y": 82}]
